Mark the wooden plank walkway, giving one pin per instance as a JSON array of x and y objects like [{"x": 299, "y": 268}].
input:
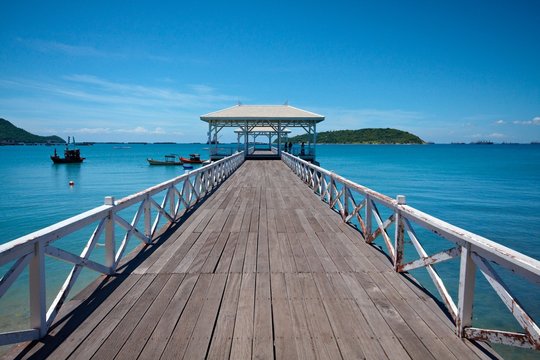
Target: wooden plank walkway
[{"x": 262, "y": 269}]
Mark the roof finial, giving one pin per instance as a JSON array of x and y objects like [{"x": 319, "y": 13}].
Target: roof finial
[
  {"x": 239, "y": 103},
  {"x": 286, "y": 102}
]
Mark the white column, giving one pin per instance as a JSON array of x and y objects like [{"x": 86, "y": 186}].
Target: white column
[
  {"x": 466, "y": 290},
  {"x": 109, "y": 237},
  {"x": 38, "y": 311},
  {"x": 279, "y": 138}
]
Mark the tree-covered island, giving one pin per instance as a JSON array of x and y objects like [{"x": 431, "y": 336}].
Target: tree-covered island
[
  {"x": 11, "y": 135},
  {"x": 362, "y": 136}
]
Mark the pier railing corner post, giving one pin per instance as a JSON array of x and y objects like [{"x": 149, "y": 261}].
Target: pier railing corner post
[
  {"x": 368, "y": 236},
  {"x": 110, "y": 246},
  {"x": 38, "y": 311},
  {"x": 467, "y": 277},
  {"x": 399, "y": 233},
  {"x": 346, "y": 203},
  {"x": 147, "y": 218}
]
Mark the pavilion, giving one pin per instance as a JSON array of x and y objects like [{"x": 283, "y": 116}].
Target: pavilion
[{"x": 271, "y": 120}]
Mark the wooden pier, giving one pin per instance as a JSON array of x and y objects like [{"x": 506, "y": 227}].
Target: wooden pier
[{"x": 260, "y": 269}]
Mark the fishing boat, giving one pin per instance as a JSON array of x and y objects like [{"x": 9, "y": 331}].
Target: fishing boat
[
  {"x": 169, "y": 160},
  {"x": 193, "y": 159},
  {"x": 71, "y": 156}
]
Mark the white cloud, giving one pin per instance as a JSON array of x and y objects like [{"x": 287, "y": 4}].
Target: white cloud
[
  {"x": 46, "y": 46},
  {"x": 496, "y": 135},
  {"x": 102, "y": 130},
  {"x": 92, "y": 130},
  {"x": 500, "y": 122},
  {"x": 534, "y": 121}
]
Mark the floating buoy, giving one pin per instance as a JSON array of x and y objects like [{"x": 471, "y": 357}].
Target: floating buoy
[{"x": 71, "y": 182}]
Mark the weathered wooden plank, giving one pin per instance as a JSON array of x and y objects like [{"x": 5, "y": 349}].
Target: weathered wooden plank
[
  {"x": 274, "y": 252},
  {"x": 225, "y": 260},
  {"x": 305, "y": 347},
  {"x": 202, "y": 333},
  {"x": 285, "y": 342},
  {"x": 250, "y": 260},
  {"x": 288, "y": 221},
  {"x": 312, "y": 257},
  {"x": 403, "y": 332},
  {"x": 140, "y": 335},
  {"x": 172, "y": 264},
  {"x": 322, "y": 254},
  {"x": 248, "y": 213},
  {"x": 377, "y": 324},
  {"x": 181, "y": 334},
  {"x": 243, "y": 329},
  {"x": 129, "y": 323},
  {"x": 163, "y": 331},
  {"x": 220, "y": 347},
  {"x": 212, "y": 260},
  {"x": 239, "y": 216},
  {"x": 99, "y": 332},
  {"x": 329, "y": 243},
  {"x": 237, "y": 263},
  {"x": 324, "y": 339},
  {"x": 298, "y": 253},
  {"x": 263, "y": 260},
  {"x": 184, "y": 263},
  {"x": 434, "y": 345},
  {"x": 430, "y": 312},
  {"x": 262, "y": 326},
  {"x": 203, "y": 254},
  {"x": 254, "y": 224},
  {"x": 287, "y": 258},
  {"x": 166, "y": 256},
  {"x": 339, "y": 317}
]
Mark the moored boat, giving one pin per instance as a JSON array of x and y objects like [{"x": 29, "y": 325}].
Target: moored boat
[
  {"x": 71, "y": 156},
  {"x": 193, "y": 159},
  {"x": 169, "y": 160}
]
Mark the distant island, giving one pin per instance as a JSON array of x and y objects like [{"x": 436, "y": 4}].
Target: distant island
[
  {"x": 362, "y": 136},
  {"x": 12, "y": 135}
]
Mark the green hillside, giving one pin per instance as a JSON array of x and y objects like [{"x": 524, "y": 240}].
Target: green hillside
[
  {"x": 10, "y": 134},
  {"x": 362, "y": 136}
]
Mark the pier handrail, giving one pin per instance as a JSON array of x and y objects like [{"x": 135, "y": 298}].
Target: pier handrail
[
  {"x": 475, "y": 252},
  {"x": 181, "y": 194}
]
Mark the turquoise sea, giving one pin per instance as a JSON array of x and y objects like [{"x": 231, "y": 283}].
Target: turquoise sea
[{"x": 491, "y": 190}]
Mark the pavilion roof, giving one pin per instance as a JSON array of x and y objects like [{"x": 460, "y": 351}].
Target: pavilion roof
[{"x": 264, "y": 114}]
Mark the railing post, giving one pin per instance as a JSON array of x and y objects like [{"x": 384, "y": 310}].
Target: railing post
[
  {"x": 172, "y": 207},
  {"x": 467, "y": 272},
  {"x": 147, "y": 217},
  {"x": 332, "y": 188},
  {"x": 399, "y": 233},
  {"x": 345, "y": 212},
  {"x": 369, "y": 212},
  {"x": 110, "y": 245},
  {"x": 38, "y": 311}
]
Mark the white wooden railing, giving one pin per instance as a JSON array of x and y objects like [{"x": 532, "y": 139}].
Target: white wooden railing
[
  {"x": 358, "y": 203},
  {"x": 180, "y": 195}
]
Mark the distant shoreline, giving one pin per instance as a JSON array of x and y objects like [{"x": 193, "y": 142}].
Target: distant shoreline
[{"x": 88, "y": 143}]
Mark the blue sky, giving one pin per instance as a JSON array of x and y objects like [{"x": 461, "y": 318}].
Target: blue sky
[{"x": 145, "y": 71}]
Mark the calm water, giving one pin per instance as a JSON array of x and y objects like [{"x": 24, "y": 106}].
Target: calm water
[{"x": 492, "y": 190}]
